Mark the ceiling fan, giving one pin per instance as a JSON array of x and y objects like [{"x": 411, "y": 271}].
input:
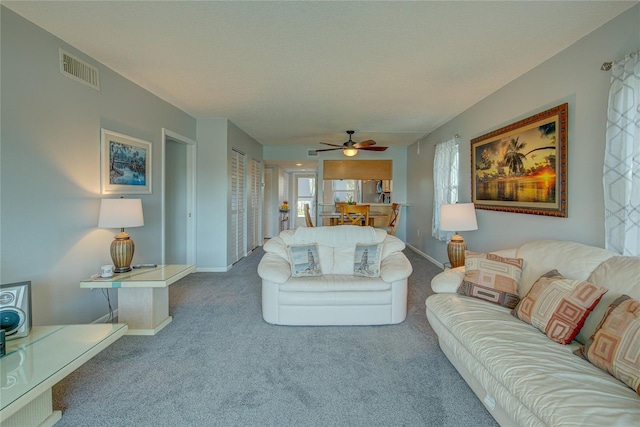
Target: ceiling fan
[{"x": 351, "y": 148}]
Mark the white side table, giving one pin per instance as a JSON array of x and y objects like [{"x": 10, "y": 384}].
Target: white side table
[{"x": 143, "y": 295}]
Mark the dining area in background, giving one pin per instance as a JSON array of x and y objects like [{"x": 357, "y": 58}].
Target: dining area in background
[{"x": 352, "y": 214}]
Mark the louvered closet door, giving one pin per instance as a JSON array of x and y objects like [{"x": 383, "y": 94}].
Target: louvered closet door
[
  {"x": 254, "y": 206},
  {"x": 238, "y": 235}
]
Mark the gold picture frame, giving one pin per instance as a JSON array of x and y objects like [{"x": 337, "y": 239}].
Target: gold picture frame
[{"x": 522, "y": 167}]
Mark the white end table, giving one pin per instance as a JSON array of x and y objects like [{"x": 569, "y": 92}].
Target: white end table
[
  {"x": 143, "y": 295},
  {"x": 37, "y": 362}
]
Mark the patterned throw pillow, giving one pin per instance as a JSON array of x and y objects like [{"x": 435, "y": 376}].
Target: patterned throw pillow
[
  {"x": 492, "y": 278},
  {"x": 558, "y": 306},
  {"x": 305, "y": 261},
  {"x": 615, "y": 346},
  {"x": 367, "y": 260}
]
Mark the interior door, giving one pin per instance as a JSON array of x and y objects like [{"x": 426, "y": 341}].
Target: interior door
[
  {"x": 238, "y": 214},
  {"x": 175, "y": 202},
  {"x": 253, "y": 240},
  {"x": 305, "y": 194},
  {"x": 270, "y": 203},
  {"x": 178, "y": 199}
]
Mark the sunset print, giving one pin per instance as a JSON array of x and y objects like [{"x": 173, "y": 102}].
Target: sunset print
[{"x": 518, "y": 167}]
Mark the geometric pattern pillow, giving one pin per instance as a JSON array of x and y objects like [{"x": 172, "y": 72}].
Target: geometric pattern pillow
[
  {"x": 615, "y": 347},
  {"x": 492, "y": 278},
  {"x": 304, "y": 259},
  {"x": 558, "y": 306},
  {"x": 367, "y": 260}
]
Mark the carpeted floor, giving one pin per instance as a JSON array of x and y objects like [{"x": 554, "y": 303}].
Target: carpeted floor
[{"x": 219, "y": 364}]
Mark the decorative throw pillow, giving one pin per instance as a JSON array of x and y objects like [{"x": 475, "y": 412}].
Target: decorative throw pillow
[
  {"x": 304, "y": 259},
  {"x": 367, "y": 260},
  {"x": 615, "y": 345},
  {"x": 558, "y": 306},
  {"x": 492, "y": 278}
]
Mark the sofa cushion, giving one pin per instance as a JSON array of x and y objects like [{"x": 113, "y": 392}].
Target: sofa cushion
[
  {"x": 558, "y": 306},
  {"x": 574, "y": 260},
  {"x": 619, "y": 274},
  {"x": 492, "y": 278},
  {"x": 305, "y": 260},
  {"x": 615, "y": 347},
  {"x": 366, "y": 262},
  {"x": 334, "y": 282},
  {"x": 335, "y": 236}
]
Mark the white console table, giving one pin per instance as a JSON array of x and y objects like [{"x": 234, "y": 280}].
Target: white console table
[
  {"x": 143, "y": 295},
  {"x": 37, "y": 362}
]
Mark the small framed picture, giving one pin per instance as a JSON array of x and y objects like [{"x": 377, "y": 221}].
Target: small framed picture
[{"x": 125, "y": 165}]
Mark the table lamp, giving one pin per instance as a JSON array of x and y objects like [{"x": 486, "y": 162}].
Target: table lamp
[
  {"x": 457, "y": 217},
  {"x": 121, "y": 213}
]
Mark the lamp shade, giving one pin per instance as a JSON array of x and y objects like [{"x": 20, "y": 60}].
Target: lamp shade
[
  {"x": 458, "y": 217},
  {"x": 120, "y": 213},
  {"x": 350, "y": 151}
]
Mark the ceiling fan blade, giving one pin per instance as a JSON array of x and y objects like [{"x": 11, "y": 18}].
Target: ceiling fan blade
[
  {"x": 373, "y": 148},
  {"x": 363, "y": 144},
  {"x": 329, "y": 149},
  {"x": 333, "y": 145}
]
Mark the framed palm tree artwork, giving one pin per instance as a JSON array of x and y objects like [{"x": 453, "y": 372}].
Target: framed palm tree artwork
[{"x": 522, "y": 167}]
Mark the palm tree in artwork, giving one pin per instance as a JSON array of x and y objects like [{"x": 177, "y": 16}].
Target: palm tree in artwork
[{"x": 513, "y": 157}]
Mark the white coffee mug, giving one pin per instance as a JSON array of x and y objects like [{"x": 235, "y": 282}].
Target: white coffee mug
[{"x": 107, "y": 270}]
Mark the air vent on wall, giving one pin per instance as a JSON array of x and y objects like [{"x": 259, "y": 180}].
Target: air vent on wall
[
  {"x": 79, "y": 70},
  {"x": 312, "y": 153}
]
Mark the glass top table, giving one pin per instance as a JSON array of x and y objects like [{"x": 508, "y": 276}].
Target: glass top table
[{"x": 37, "y": 362}]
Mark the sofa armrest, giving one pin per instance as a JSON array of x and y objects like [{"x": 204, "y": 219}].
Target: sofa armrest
[
  {"x": 448, "y": 281},
  {"x": 395, "y": 267},
  {"x": 276, "y": 246},
  {"x": 274, "y": 268}
]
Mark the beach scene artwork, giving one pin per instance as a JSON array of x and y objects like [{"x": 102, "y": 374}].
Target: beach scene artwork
[
  {"x": 521, "y": 168},
  {"x": 127, "y": 164}
]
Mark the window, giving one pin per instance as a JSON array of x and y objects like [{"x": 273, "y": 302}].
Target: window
[
  {"x": 445, "y": 182},
  {"x": 345, "y": 190}
]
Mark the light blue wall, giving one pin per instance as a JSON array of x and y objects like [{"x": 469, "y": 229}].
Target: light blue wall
[
  {"x": 211, "y": 195},
  {"x": 571, "y": 76},
  {"x": 216, "y": 138},
  {"x": 50, "y": 171}
]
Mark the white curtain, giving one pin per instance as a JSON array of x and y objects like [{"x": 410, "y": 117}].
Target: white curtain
[
  {"x": 622, "y": 158},
  {"x": 445, "y": 182}
]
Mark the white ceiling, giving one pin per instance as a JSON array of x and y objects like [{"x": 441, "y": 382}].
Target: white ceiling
[{"x": 296, "y": 73}]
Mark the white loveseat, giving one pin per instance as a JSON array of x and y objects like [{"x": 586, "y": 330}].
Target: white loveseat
[
  {"x": 337, "y": 296},
  {"x": 523, "y": 377}
]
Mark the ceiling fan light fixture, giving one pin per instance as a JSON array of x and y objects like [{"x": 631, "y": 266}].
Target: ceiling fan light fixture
[{"x": 350, "y": 152}]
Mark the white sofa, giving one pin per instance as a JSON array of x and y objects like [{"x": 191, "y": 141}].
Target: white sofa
[
  {"x": 337, "y": 297},
  {"x": 523, "y": 377}
]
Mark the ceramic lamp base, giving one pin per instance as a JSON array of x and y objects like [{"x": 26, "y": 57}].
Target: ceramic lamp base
[
  {"x": 122, "y": 252},
  {"x": 455, "y": 250}
]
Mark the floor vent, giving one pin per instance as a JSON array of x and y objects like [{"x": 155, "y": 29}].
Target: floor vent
[
  {"x": 312, "y": 153},
  {"x": 79, "y": 70}
]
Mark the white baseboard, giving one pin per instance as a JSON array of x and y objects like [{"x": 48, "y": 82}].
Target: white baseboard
[
  {"x": 105, "y": 318},
  {"x": 213, "y": 269},
  {"x": 419, "y": 252}
]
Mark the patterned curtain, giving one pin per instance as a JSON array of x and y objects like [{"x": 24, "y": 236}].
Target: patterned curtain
[
  {"x": 445, "y": 182},
  {"x": 622, "y": 158}
]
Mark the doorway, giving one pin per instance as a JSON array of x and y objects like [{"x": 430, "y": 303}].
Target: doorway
[
  {"x": 178, "y": 198},
  {"x": 305, "y": 191}
]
